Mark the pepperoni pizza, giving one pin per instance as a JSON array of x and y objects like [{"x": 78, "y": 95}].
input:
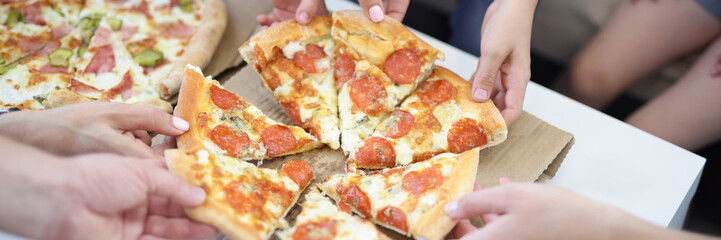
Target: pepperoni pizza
[
  {"x": 438, "y": 117},
  {"x": 243, "y": 201},
  {"x": 320, "y": 219},
  {"x": 59, "y": 52},
  {"x": 407, "y": 199},
  {"x": 377, "y": 66},
  {"x": 225, "y": 124},
  {"x": 294, "y": 61}
]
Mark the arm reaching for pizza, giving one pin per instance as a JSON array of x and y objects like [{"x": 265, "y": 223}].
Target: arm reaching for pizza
[
  {"x": 303, "y": 10},
  {"x": 537, "y": 211},
  {"x": 98, "y": 196},
  {"x": 91, "y": 128}
]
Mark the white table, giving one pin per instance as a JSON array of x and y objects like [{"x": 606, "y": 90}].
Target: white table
[{"x": 611, "y": 161}]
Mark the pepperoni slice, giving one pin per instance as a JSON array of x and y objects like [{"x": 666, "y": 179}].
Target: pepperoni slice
[
  {"x": 402, "y": 66},
  {"x": 429, "y": 121},
  {"x": 418, "y": 182},
  {"x": 394, "y": 217},
  {"x": 293, "y": 111},
  {"x": 424, "y": 156},
  {"x": 400, "y": 123},
  {"x": 278, "y": 139},
  {"x": 376, "y": 152},
  {"x": 434, "y": 93},
  {"x": 344, "y": 70},
  {"x": 299, "y": 171},
  {"x": 353, "y": 197},
  {"x": 306, "y": 59},
  {"x": 368, "y": 94},
  {"x": 103, "y": 61},
  {"x": 320, "y": 230},
  {"x": 249, "y": 194},
  {"x": 223, "y": 98},
  {"x": 229, "y": 140},
  {"x": 465, "y": 135}
]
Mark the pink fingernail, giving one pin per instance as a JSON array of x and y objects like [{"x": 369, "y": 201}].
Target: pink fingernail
[
  {"x": 504, "y": 180},
  {"x": 199, "y": 194},
  {"x": 113, "y": 101},
  {"x": 303, "y": 17},
  {"x": 180, "y": 124},
  {"x": 451, "y": 207},
  {"x": 480, "y": 94},
  {"x": 376, "y": 13}
]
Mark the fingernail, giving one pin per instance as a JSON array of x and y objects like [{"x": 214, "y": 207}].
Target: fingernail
[
  {"x": 480, "y": 94},
  {"x": 451, "y": 208},
  {"x": 376, "y": 13},
  {"x": 180, "y": 124},
  {"x": 303, "y": 17},
  {"x": 113, "y": 101},
  {"x": 199, "y": 194},
  {"x": 503, "y": 180}
]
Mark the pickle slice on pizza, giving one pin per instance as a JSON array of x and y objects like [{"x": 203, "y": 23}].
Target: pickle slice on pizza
[
  {"x": 438, "y": 117},
  {"x": 224, "y": 123},
  {"x": 408, "y": 199},
  {"x": 320, "y": 219},
  {"x": 376, "y": 66},
  {"x": 295, "y": 63},
  {"x": 243, "y": 201}
]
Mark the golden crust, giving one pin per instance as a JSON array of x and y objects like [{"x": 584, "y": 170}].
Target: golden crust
[
  {"x": 200, "y": 48},
  {"x": 378, "y": 40},
  {"x": 65, "y": 97},
  {"x": 280, "y": 35},
  {"x": 488, "y": 114},
  {"x": 191, "y": 100},
  {"x": 435, "y": 224},
  {"x": 211, "y": 212}
]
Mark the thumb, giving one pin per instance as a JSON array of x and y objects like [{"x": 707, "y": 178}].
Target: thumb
[
  {"x": 162, "y": 183},
  {"x": 374, "y": 9},
  {"x": 306, "y": 10},
  {"x": 485, "y": 77}
]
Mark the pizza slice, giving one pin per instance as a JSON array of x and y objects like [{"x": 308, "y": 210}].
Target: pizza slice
[
  {"x": 225, "y": 124},
  {"x": 438, "y": 117},
  {"x": 295, "y": 64},
  {"x": 408, "y": 199},
  {"x": 320, "y": 219},
  {"x": 377, "y": 65},
  {"x": 243, "y": 201}
]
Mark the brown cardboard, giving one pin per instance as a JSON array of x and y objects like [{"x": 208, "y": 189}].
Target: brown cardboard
[{"x": 241, "y": 25}]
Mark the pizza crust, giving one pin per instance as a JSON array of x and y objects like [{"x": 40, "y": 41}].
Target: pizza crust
[
  {"x": 211, "y": 212},
  {"x": 279, "y": 36},
  {"x": 200, "y": 48},
  {"x": 65, "y": 97},
  {"x": 436, "y": 224},
  {"x": 191, "y": 100},
  {"x": 488, "y": 115}
]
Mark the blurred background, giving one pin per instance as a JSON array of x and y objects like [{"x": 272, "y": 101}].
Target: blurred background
[{"x": 561, "y": 28}]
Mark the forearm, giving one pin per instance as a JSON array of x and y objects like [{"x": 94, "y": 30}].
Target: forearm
[
  {"x": 627, "y": 226},
  {"x": 31, "y": 193}
]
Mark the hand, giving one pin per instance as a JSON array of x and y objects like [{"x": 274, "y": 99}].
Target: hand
[
  {"x": 91, "y": 128},
  {"x": 98, "y": 196},
  {"x": 504, "y": 67},
  {"x": 537, "y": 211},
  {"x": 716, "y": 70},
  {"x": 300, "y": 10},
  {"x": 377, "y": 9}
]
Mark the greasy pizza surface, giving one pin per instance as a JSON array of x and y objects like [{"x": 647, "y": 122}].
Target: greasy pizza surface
[{"x": 60, "y": 52}]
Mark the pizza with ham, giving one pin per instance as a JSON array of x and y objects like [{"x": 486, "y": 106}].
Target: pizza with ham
[
  {"x": 243, "y": 201},
  {"x": 377, "y": 65},
  {"x": 59, "y": 52},
  {"x": 295, "y": 64},
  {"x": 320, "y": 219},
  {"x": 407, "y": 199},
  {"x": 225, "y": 124},
  {"x": 438, "y": 117}
]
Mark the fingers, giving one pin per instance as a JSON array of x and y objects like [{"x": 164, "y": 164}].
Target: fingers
[
  {"x": 132, "y": 117},
  {"x": 162, "y": 183},
  {"x": 143, "y": 136},
  {"x": 168, "y": 143},
  {"x": 462, "y": 228},
  {"x": 397, "y": 9},
  {"x": 492, "y": 200},
  {"x": 374, "y": 9},
  {"x": 164, "y": 207},
  {"x": 306, "y": 10},
  {"x": 177, "y": 228},
  {"x": 128, "y": 145},
  {"x": 515, "y": 94},
  {"x": 485, "y": 77}
]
